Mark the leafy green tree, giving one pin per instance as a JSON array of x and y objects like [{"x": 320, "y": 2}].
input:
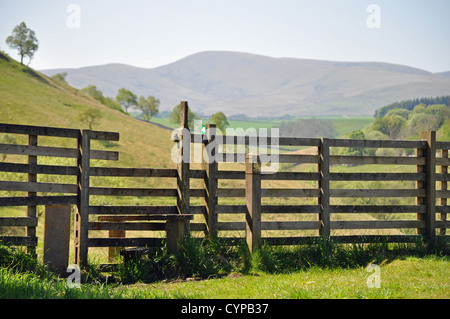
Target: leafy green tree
[
  {"x": 24, "y": 40},
  {"x": 60, "y": 77},
  {"x": 420, "y": 108},
  {"x": 149, "y": 107},
  {"x": 89, "y": 117},
  {"x": 174, "y": 116},
  {"x": 400, "y": 112},
  {"x": 423, "y": 122},
  {"x": 440, "y": 111},
  {"x": 389, "y": 125},
  {"x": 112, "y": 104},
  {"x": 92, "y": 91},
  {"x": 356, "y": 151},
  {"x": 220, "y": 119},
  {"x": 126, "y": 98}
]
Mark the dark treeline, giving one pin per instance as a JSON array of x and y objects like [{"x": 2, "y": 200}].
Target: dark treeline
[{"x": 410, "y": 104}]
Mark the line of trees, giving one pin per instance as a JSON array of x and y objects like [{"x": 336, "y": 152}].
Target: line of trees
[
  {"x": 411, "y": 104},
  {"x": 124, "y": 100}
]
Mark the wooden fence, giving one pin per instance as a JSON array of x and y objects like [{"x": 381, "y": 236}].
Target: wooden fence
[{"x": 236, "y": 212}]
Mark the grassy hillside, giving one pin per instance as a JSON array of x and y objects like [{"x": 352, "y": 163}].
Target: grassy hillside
[{"x": 31, "y": 98}]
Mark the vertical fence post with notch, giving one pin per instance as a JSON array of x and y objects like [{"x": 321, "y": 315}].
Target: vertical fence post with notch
[
  {"x": 82, "y": 212},
  {"x": 443, "y": 201},
  {"x": 253, "y": 201},
  {"x": 428, "y": 185},
  {"x": 183, "y": 188},
  {"x": 31, "y": 210},
  {"x": 324, "y": 187},
  {"x": 210, "y": 166}
]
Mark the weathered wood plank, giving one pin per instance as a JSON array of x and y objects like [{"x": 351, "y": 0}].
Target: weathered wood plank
[
  {"x": 389, "y": 209},
  {"x": 55, "y": 131},
  {"x": 38, "y": 187},
  {"x": 382, "y": 160},
  {"x": 126, "y": 210},
  {"x": 292, "y": 176},
  {"x": 299, "y": 176},
  {"x": 300, "y": 159},
  {"x": 18, "y": 241},
  {"x": 117, "y": 191},
  {"x": 290, "y": 225},
  {"x": 39, "y": 200},
  {"x": 55, "y": 152},
  {"x": 377, "y": 176},
  {"x": 377, "y": 224},
  {"x": 82, "y": 213},
  {"x": 231, "y": 175},
  {"x": 290, "y": 209},
  {"x": 133, "y": 172},
  {"x": 31, "y": 177},
  {"x": 377, "y": 192},
  {"x": 253, "y": 202},
  {"x": 442, "y": 145},
  {"x": 310, "y": 240},
  {"x": 125, "y": 242},
  {"x": 19, "y": 221},
  {"x": 230, "y": 226},
  {"x": 323, "y": 199},
  {"x": 429, "y": 217},
  {"x": 290, "y": 192},
  {"x": 210, "y": 182},
  {"x": 197, "y": 192},
  {"x": 38, "y": 169},
  {"x": 376, "y": 143},
  {"x": 39, "y": 130}
]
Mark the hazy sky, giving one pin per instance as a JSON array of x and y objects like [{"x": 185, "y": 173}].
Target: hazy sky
[{"x": 151, "y": 33}]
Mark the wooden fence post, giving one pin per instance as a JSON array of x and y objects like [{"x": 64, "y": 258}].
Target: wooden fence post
[
  {"x": 429, "y": 217},
  {"x": 82, "y": 214},
  {"x": 183, "y": 188},
  {"x": 253, "y": 201},
  {"x": 31, "y": 210},
  {"x": 57, "y": 236},
  {"x": 443, "y": 202},
  {"x": 324, "y": 187},
  {"x": 209, "y": 164}
]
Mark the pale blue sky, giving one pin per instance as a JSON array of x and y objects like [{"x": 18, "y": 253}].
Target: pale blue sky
[{"x": 156, "y": 32}]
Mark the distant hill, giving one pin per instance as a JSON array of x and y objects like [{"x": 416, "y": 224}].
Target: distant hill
[
  {"x": 31, "y": 98},
  {"x": 255, "y": 85}
]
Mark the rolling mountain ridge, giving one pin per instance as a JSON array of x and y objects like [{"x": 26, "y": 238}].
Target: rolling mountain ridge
[{"x": 255, "y": 85}]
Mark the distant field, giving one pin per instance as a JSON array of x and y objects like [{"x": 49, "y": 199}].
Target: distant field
[{"x": 343, "y": 125}]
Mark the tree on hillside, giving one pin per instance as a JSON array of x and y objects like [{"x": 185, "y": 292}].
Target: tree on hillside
[
  {"x": 220, "y": 120},
  {"x": 389, "y": 125},
  {"x": 60, "y": 77},
  {"x": 92, "y": 91},
  {"x": 174, "y": 116},
  {"x": 149, "y": 107},
  {"x": 24, "y": 40},
  {"x": 89, "y": 117},
  {"x": 126, "y": 98}
]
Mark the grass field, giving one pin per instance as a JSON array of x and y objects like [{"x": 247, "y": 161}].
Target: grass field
[{"x": 411, "y": 276}]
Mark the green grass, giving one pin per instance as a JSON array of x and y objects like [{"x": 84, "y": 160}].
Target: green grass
[
  {"x": 273, "y": 273},
  {"x": 408, "y": 278}
]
